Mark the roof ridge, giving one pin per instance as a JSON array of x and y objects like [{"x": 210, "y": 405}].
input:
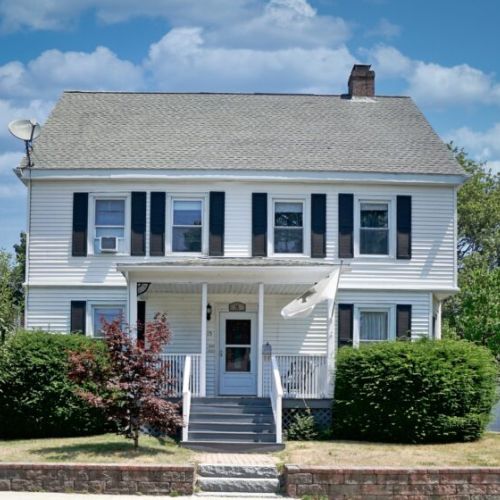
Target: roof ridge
[{"x": 154, "y": 92}]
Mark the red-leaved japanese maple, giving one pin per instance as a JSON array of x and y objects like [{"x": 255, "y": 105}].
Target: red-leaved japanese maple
[{"x": 131, "y": 388}]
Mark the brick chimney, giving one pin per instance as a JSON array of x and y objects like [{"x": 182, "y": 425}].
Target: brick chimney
[{"x": 361, "y": 81}]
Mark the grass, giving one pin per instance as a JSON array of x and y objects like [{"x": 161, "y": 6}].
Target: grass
[
  {"x": 485, "y": 452},
  {"x": 106, "y": 448},
  {"x": 110, "y": 448}
]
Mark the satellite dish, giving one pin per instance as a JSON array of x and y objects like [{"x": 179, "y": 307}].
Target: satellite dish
[{"x": 26, "y": 130}]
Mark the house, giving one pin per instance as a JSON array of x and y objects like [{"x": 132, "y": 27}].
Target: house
[{"x": 219, "y": 210}]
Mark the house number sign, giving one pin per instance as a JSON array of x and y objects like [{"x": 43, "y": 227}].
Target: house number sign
[{"x": 237, "y": 307}]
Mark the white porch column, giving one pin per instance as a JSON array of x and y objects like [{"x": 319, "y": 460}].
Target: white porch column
[
  {"x": 132, "y": 305},
  {"x": 438, "y": 320},
  {"x": 330, "y": 348},
  {"x": 260, "y": 339},
  {"x": 203, "y": 360}
]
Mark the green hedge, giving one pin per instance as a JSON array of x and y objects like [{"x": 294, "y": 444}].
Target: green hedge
[
  {"x": 36, "y": 397},
  {"x": 414, "y": 392}
]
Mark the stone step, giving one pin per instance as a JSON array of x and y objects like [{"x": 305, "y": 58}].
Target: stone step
[
  {"x": 237, "y": 400},
  {"x": 237, "y": 471},
  {"x": 243, "y": 418},
  {"x": 240, "y": 485},
  {"x": 244, "y": 437},
  {"x": 234, "y": 409},
  {"x": 213, "y": 446},
  {"x": 234, "y": 495},
  {"x": 207, "y": 425}
]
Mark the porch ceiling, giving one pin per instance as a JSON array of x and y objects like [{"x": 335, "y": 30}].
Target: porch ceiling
[
  {"x": 227, "y": 288},
  {"x": 226, "y": 271}
]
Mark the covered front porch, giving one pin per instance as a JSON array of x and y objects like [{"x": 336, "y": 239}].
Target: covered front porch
[{"x": 228, "y": 336}]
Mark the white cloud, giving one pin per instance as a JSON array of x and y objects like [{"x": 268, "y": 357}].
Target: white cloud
[
  {"x": 62, "y": 14},
  {"x": 10, "y": 186},
  {"x": 36, "y": 108},
  {"x": 384, "y": 29},
  {"x": 182, "y": 60},
  {"x": 434, "y": 84},
  {"x": 481, "y": 145},
  {"x": 282, "y": 24},
  {"x": 53, "y": 71}
]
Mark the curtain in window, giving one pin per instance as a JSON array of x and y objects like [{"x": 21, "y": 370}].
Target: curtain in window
[{"x": 373, "y": 325}]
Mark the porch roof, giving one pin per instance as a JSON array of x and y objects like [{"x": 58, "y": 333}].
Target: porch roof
[{"x": 228, "y": 270}]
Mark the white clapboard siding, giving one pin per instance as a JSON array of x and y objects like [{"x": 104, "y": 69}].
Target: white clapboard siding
[
  {"x": 431, "y": 266},
  {"x": 49, "y": 308}
]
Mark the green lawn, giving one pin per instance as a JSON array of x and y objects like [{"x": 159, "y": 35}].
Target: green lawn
[
  {"x": 485, "y": 452},
  {"x": 110, "y": 448},
  {"x": 107, "y": 448}
]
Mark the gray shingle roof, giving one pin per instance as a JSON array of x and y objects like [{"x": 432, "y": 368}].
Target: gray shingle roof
[{"x": 240, "y": 131}]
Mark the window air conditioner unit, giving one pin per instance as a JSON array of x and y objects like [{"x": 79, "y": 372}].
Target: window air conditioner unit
[{"x": 108, "y": 244}]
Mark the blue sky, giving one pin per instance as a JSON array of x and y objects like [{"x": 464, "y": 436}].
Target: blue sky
[{"x": 443, "y": 53}]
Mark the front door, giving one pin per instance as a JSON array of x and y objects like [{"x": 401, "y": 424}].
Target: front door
[{"x": 237, "y": 354}]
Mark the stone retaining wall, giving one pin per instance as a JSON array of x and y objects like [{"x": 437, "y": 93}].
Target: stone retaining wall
[
  {"x": 98, "y": 478},
  {"x": 336, "y": 482}
]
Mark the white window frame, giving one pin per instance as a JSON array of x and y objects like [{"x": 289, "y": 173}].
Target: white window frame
[
  {"x": 391, "y": 220},
  {"x": 306, "y": 225},
  {"x": 204, "y": 222},
  {"x": 93, "y": 198},
  {"x": 391, "y": 321},
  {"x": 91, "y": 305}
]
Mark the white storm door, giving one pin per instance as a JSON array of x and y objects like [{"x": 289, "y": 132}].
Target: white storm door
[{"x": 237, "y": 354}]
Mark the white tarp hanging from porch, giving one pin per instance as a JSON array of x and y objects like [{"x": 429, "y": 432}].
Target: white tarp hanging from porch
[{"x": 304, "y": 305}]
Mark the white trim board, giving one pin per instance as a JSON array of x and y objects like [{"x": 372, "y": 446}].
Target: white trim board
[{"x": 242, "y": 175}]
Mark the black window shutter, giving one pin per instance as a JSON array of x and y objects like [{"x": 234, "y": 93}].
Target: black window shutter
[
  {"x": 80, "y": 222},
  {"x": 403, "y": 241},
  {"x": 157, "y": 225},
  {"x": 78, "y": 316},
  {"x": 346, "y": 225},
  {"x": 259, "y": 224},
  {"x": 403, "y": 321},
  {"x": 216, "y": 223},
  {"x": 138, "y": 224},
  {"x": 141, "y": 319},
  {"x": 318, "y": 225},
  {"x": 345, "y": 324}
]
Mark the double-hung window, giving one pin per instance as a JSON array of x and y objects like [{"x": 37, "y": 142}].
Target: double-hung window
[
  {"x": 109, "y": 224},
  {"x": 373, "y": 324},
  {"x": 187, "y": 225},
  {"x": 288, "y": 227},
  {"x": 105, "y": 313},
  {"x": 374, "y": 224}
]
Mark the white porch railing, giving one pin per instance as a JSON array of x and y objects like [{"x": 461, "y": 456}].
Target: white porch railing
[
  {"x": 303, "y": 375},
  {"x": 186, "y": 398},
  {"x": 276, "y": 394},
  {"x": 174, "y": 364}
]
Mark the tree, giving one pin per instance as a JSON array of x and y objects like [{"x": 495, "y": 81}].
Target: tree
[
  {"x": 19, "y": 273},
  {"x": 8, "y": 309},
  {"x": 132, "y": 387},
  {"x": 474, "y": 313}
]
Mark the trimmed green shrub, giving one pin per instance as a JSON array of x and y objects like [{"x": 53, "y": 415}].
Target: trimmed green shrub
[
  {"x": 37, "y": 399},
  {"x": 302, "y": 427},
  {"x": 414, "y": 392}
]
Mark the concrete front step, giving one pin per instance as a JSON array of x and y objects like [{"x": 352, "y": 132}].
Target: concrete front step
[
  {"x": 239, "y": 400},
  {"x": 231, "y": 446},
  {"x": 246, "y": 437},
  {"x": 243, "y": 418},
  {"x": 232, "y": 408},
  {"x": 237, "y": 471},
  {"x": 207, "y": 425},
  {"x": 240, "y": 485}
]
